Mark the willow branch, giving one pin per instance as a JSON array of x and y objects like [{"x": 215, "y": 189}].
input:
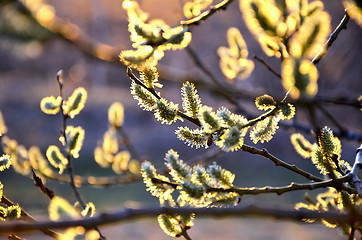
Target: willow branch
[
  {"x": 281, "y": 190},
  {"x": 280, "y": 163},
  {"x": 246, "y": 148},
  {"x": 224, "y": 91},
  {"x": 154, "y": 93},
  {"x": 126, "y": 141},
  {"x": 341, "y": 129},
  {"x": 73, "y": 34},
  {"x": 336, "y": 183},
  {"x": 26, "y": 217},
  {"x": 127, "y": 177},
  {"x": 69, "y": 166},
  {"x": 201, "y": 66},
  {"x": 270, "y": 69},
  {"x": 96, "y": 181},
  {"x": 133, "y": 214},
  {"x": 342, "y": 25},
  {"x": 206, "y": 14},
  {"x": 290, "y": 167}
]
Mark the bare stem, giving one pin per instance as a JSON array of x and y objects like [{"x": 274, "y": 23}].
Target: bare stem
[
  {"x": 270, "y": 69},
  {"x": 342, "y": 25},
  {"x": 69, "y": 156},
  {"x": 132, "y": 214},
  {"x": 341, "y": 129},
  {"x": 222, "y": 90},
  {"x": 128, "y": 143},
  {"x": 280, "y": 163}
]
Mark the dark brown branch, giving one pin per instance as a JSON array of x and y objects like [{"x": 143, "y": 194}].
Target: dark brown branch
[
  {"x": 341, "y": 129},
  {"x": 128, "y": 143},
  {"x": 39, "y": 183},
  {"x": 222, "y": 90},
  {"x": 342, "y": 25},
  {"x": 280, "y": 163},
  {"x": 69, "y": 166},
  {"x": 336, "y": 183},
  {"x": 270, "y": 69},
  {"x": 201, "y": 66},
  {"x": 132, "y": 214}
]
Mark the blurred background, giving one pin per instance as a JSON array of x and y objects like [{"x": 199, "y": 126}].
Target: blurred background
[{"x": 30, "y": 57}]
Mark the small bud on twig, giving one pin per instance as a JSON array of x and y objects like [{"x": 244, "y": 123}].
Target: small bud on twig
[{"x": 60, "y": 77}]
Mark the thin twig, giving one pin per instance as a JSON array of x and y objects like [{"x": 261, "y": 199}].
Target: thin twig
[
  {"x": 290, "y": 167},
  {"x": 128, "y": 143},
  {"x": 268, "y": 189},
  {"x": 206, "y": 14},
  {"x": 39, "y": 183},
  {"x": 270, "y": 69},
  {"x": 222, "y": 90},
  {"x": 69, "y": 166},
  {"x": 342, "y": 25},
  {"x": 132, "y": 214},
  {"x": 151, "y": 90},
  {"x": 280, "y": 163},
  {"x": 96, "y": 181},
  {"x": 201, "y": 66},
  {"x": 341, "y": 129}
]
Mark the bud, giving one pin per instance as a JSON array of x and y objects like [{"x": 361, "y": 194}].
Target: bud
[{"x": 60, "y": 77}]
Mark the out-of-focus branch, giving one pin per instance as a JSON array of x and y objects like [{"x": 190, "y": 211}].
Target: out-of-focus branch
[
  {"x": 126, "y": 141},
  {"x": 342, "y": 25},
  {"x": 96, "y": 181},
  {"x": 73, "y": 34},
  {"x": 341, "y": 129},
  {"x": 26, "y": 217},
  {"x": 132, "y": 214},
  {"x": 270, "y": 69},
  {"x": 224, "y": 91}
]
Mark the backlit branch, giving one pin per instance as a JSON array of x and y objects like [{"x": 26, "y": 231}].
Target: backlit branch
[
  {"x": 26, "y": 217},
  {"x": 73, "y": 34},
  {"x": 132, "y": 214},
  {"x": 268, "y": 189},
  {"x": 270, "y": 69},
  {"x": 342, "y": 25}
]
